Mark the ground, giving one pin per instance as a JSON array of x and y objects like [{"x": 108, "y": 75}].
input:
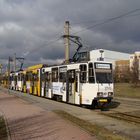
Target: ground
[
  {"x": 28, "y": 122},
  {"x": 127, "y": 90},
  {"x": 90, "y": 118}
]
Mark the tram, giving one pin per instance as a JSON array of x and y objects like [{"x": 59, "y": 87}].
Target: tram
[
  {"x": 32, "y": 80},
  {"x": 4, "y": 80},
  {"x": 83, "y": 83},
  {"x": 86, "y": 83}
]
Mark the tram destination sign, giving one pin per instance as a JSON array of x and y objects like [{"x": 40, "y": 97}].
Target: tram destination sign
[
  {"x": 63, "y": 69},
  {"x": 102, "y": 66}
]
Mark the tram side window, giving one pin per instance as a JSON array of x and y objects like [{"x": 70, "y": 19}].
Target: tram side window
[
  {"x": 71, "y": 76},
  {"x": 19, "y": 77},
  {"x": 83, "y": 73},
  {"x": 91, "y": 78},
  {"x": 35, "y": 77},
  {"x": 62, "y": 76},
  {"x": 16, "y": 79},
  {"x": 26, "y": 77},
  {"x": 45, "y": 76},
  {"x": 29, "y": 76},
  {"x": 11, "y": 78},
  {"x": 48, "y": 76},
  {"x": 22, "y": 77},
  {"x": 54, "y": 74}
]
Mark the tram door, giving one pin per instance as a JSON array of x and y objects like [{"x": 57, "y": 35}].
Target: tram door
[
  {"x": 35, "y": 83},
  {"x": 46, "y": 84},
  {"x": 32, "y": 83},
  {"x": 24, "y": 83},
  {"x": 49, "y": 85},
  {"x": 77, "y": 88},
  {"x": 43, "y": 84},
  {"x": 73, "y": 87}
]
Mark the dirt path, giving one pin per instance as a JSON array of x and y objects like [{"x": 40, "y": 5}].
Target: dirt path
[{"x": 29, "y": 122}]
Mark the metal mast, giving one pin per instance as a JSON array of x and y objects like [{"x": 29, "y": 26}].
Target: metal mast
[
  {"x": 67, "y": 42},
  {"x": 14, "y": 62}
]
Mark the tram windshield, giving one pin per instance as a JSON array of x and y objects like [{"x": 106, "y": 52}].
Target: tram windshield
[{"x": 104, "y": 77}]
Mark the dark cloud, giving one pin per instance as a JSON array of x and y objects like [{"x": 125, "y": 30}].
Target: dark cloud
[{"x": 27, "y": 27}]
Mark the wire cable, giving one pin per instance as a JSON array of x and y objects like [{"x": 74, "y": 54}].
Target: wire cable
[
  {"x": 108, "y": 20},
  {"x": 47, "y": 44}
]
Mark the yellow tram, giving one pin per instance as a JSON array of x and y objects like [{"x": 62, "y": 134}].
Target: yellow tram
[{"x": 33, "y": 80}]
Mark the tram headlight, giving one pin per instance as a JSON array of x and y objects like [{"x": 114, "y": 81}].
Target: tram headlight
[
  {"x": 110, "y": 93},
  {"x": 99, "y": 94}
]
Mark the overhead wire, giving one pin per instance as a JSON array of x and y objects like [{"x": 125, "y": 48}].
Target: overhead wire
[
  {"x": 47, "y": 44},
  {"x": 40, "y": 47},
  {"x": 131, "y": 13},
  {"x": 108, "y": 20},
  {"x": 99, "y": 20}
]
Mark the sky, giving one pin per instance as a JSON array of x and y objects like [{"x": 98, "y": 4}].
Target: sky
[{"x": 33, "y": 29}]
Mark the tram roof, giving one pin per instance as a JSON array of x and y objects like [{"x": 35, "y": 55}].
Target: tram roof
[
  {"x": 35, "y": 67},
  {"x": 73, "y": 65}
]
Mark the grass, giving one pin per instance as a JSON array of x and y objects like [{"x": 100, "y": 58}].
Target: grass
[
  {"x": 100, "y": 132},
  {"x": 3, "y": 131},
  {"x": 126, "y": 90}
]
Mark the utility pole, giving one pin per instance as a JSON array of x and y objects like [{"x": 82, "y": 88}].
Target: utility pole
[
  {"x": 1, "y": 69},
  {"x": 21, "y": 60},
  {"x": 67, "y": 42},
  {"x": 0, "y": 73},
  {"x": 14, "y": 62},
  {"x": 9, "y": 59}
]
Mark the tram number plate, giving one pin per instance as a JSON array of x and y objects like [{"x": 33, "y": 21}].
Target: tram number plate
[{"x": 103, "y": 100}]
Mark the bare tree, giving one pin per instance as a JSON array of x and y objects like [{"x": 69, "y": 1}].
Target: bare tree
[
  {"x": 135, "y": 72},
  {"x": 122, "y": 74}
]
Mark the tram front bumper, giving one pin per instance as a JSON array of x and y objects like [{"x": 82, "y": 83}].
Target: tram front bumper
[{"x": 103, "y": 99}]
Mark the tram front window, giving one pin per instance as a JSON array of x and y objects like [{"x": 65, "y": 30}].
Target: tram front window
[{"x": 103, "y": 77}]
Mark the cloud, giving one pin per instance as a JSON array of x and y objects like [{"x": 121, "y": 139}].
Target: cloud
[{"x": 31, "y": 28}]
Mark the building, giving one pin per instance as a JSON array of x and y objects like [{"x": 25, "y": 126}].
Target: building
[
  {"x": 107, "y": 55},
  {"x": 101, "y": 54}
]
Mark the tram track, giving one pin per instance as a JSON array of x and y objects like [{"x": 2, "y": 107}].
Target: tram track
[
  {"x": 125, "y": 109},
  {"x": 128, "y": 102},
  {"x": 124, "y": 116}
]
